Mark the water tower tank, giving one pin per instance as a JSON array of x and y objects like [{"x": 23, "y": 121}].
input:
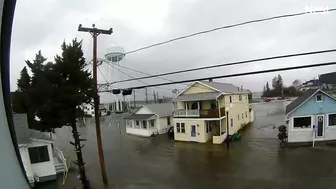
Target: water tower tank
[{"x": 115, "y": 53}]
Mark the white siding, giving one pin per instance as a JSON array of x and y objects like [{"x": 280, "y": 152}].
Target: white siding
[
  {"x": 44, "y": 168},
  {"x": 26, "y": 163},
  {"x": 141, "y": 132},
  {"x": 163, "y": 126}
]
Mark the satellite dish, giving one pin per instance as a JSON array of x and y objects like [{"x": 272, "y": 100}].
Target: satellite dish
[{"x": 115, "y": 53}]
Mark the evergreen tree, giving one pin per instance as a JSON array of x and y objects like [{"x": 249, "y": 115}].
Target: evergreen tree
[
  {"x": 267, "y": 87},
  {"x": 19, "y": 97}
]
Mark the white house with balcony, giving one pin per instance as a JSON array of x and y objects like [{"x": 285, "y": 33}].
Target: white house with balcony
[
  {"x": 41, "y": 159},
  {"x": 210, "y": 111},
  {"x": 150, "y": 119}
]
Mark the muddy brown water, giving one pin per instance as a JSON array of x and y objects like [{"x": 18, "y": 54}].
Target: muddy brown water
[{"x": 256, "y": 161}]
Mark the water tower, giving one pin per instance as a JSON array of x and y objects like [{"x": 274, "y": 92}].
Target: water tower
[{"x": 115, "y": 55}]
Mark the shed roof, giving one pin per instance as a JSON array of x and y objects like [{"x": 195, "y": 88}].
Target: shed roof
[
  {"x": 23, "y": 134},
  {"x": 161, "y": 109},
  {"x": 140, "y": 116},
  {"x": 197, "y": 96}
]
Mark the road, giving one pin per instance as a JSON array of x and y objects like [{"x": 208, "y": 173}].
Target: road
[{"x": 256, "y": 161}]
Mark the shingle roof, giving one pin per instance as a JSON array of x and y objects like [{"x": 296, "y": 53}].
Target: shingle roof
[
  {"x": 23, "y": 134},
  {"x": 161, "y": 109},
  {"x": 297, "y": 102},
  {"x": 140, "y": 116},
  {"x": 329, "y": 78},
  {"x": 197, "y": 97},
  {"x": 224, "y": 87}
]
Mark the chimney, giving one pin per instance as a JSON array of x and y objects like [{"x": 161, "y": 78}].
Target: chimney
[{"x": 210, "y": 80}]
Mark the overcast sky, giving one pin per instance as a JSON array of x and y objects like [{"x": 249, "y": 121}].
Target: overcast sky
[{"x": 45, "y": 24}]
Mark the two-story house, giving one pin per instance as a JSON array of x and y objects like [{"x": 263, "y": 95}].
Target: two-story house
[{"x": 209, "y": 110}]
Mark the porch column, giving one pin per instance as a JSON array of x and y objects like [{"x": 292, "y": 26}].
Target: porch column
[
  {"x": 198, "y": 105},
  {"x": 148, "y": 125},
  {"x": 186, "y": 105},
  {"x": 220, "y": 127}
]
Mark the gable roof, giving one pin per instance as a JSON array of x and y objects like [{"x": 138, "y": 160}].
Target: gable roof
[
  {"x": 302, "y": 99},
  {"x": 23, "y": 134},
  {"x": 161, "y": 109},
  {"x": 224, "y": 87}
]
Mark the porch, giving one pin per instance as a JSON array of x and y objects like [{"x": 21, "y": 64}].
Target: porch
[
  {"x": 59, "y": 160},
  {"x": 199, "y": 109},
  {"x": 217, "y": 130}
]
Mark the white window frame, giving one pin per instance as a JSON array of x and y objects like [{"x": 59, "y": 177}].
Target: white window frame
[
  {"x": 231, "y": 122},
  {"x": 246, "y": 114},
  {"x": 303, "y": 129},
  {"x": 240, "y": 97},
  {"x": 230, "y": 99},
  {"x": 178, "y": 127},
  {"x": 150, "y": 123},
  {"x": 333, "y": 126},
  {"x": 238, "y": 117},
  {"x": 321, "y": 98},
  {"x": 184, "y": 128}
]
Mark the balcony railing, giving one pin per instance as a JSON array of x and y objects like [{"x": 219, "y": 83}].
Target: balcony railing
[{"x": 209, "y": 113}]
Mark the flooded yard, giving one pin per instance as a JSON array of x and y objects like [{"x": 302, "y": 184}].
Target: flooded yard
[{"x": 256, "y": 161}]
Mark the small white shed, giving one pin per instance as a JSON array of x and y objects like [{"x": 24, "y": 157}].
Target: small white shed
[{"x": 150, "y": 119}]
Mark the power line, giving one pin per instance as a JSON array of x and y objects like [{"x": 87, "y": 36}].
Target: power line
[
  {"x": 225, "y": 27},
  {"x": 102, "y": 74},
  {"x": 230, "y": 64},
  {"x": 133, "y": 77},
  {"x": 238, "y": 74}
]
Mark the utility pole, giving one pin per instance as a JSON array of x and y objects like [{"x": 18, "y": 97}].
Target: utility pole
[
  {"x": 95, "y": 32},
  {"x": 154, "y": 97},
  {"x": 157, "y": 97},
  {"x": 146, "y": 96},
  {"x": 134, "y": 99}
]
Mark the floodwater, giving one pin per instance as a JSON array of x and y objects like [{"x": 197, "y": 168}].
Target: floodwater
[{"x": 256, "y": 161}]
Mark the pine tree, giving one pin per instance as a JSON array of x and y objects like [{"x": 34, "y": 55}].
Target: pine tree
[
  {"x": 19, "y": 97},
  {"x": 267, "y": 87}
]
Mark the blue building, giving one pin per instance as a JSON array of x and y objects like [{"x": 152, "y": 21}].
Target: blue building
[{"x": 312, "y": 117}]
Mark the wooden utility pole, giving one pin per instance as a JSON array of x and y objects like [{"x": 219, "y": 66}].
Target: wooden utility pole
[
  {"x": 154, "y": 97},
  {"x": 95, "y": 32},
  {"x": 157, "y": 97},
  {"x": 134, "y": 99},
  {"x": 146, "y": 96}
]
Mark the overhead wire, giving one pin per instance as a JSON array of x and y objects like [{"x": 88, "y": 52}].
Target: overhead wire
[
  {"x": 238, "y": 74},
  {"x": 133, "y": 77},
  {"x": 230, "y": 64},
  {"x": 227, "y": 26}
]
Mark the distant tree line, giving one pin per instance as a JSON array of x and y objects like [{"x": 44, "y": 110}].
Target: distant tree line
[{"x": 279, "y": 90}]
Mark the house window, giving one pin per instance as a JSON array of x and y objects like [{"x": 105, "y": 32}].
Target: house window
[
  {"x": 242, "y": 116},
  {"x": 319, "y": 98},
  {"x": 178, "y": 127},
  {"x": 246, "y": 114},
  {"x": 231, "y": 122},
  {"x": 168, "y": 120},
  {"x": 208, "y": 127},
  {"x": 152, "y": 123},
  {"x": 144, "y": 124},
  {"x": 182, "y": 128},
  {"x": 92, "y": 108},
  {"x": 240, "y": 97},
  {"x": 38, "y": 154},
  {"x": 332, "y": 119},
  {"x": 238, "y": 117},
  {"x": 137, "y": 124},
  {"x": 302, "y": 122},
  {"x": 230, "y": 99}
]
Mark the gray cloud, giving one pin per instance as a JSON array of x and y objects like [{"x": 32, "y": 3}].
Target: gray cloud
[{"x": 136, "y": 25}]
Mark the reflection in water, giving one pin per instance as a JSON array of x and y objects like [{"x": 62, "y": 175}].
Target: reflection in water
[{"x": 254, "y": 162}]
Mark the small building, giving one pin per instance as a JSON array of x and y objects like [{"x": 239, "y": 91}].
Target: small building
[
  {"x": 89, "y": 109},
  {"x": 41, "y": 159},
  {"x": 312, "y": 117},
  {"x": 209, "y": 110},
  {"x": 150, "y": 119}
]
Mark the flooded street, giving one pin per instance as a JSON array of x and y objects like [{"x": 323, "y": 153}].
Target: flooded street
[{"x": 256, "y": 161}]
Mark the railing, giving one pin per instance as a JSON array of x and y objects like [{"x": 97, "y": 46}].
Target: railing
[
  {"x": 209, "y": 113},
  {"x": 60, "y": 155}
]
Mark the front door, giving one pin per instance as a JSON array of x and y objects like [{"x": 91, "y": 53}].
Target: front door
[
  {"x": 319, "y": 126},
  {"x": 193, "y": 133}
]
